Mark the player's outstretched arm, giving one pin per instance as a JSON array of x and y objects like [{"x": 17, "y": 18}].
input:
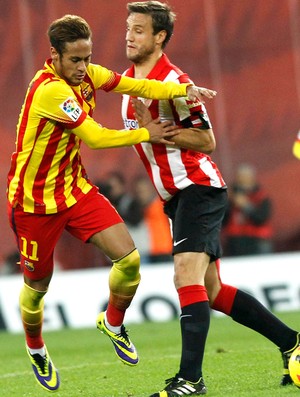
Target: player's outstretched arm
[
  {"x": 97, "y": 137},
  {"x": 154, "y": 89}
]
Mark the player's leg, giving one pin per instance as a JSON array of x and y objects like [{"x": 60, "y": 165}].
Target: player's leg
[
  {"x": 248, "y": 311},
  {"x": 124, "y": 279},
  {"x": 36, "y": 241},
  {"x": 196, "y": 215},
  {"x": 190, "y": 269},
  {"x": 96, "y": 221}
]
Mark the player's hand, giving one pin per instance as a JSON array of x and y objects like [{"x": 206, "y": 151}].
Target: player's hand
[
  {"x": 141, "y": 112},
  {"x": 195, "y": 93},
  {"x": 159, "y": 131}
]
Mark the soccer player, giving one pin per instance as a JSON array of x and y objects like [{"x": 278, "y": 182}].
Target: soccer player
[
  {"x": 194, "y": 196},
  {"x": 49, "y": 191}
]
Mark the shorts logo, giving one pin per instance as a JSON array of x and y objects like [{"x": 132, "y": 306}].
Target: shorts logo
[
  {"x": 71, "y": 108},
  {"x": 29, "y": 266},
  {"x": 179, "y": 242}
]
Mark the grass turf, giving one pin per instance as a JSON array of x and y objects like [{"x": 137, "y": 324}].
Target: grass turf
[{"x": 238, "y": 362}]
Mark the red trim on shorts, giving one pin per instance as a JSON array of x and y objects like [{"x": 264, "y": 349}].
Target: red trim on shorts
[{"x": 192, "y": 294}]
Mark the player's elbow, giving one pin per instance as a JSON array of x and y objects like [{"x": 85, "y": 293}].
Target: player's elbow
[
  {"x": 93, "y": 145},
  {"x": 210, "y": 147},
  {"x": 209, "y": 143}
]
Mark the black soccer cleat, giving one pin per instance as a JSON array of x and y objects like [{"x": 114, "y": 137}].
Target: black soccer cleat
[{"x": 180, "y": 387}]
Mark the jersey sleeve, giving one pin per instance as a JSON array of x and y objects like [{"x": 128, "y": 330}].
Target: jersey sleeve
[
  {"x": 192, "y": 114},
  {"x": 56, "y": 101},
  {"x": 108, "y": 80},
  {"x": 152, "y": 89},
  {"x": 103, "y": 78},
  {"x": 98, "y": 137}
]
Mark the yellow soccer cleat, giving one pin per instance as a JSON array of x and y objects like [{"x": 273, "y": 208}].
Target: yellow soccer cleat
[
  {"x": 124, "y": 348},
  {"x": 45, "y": 373}
]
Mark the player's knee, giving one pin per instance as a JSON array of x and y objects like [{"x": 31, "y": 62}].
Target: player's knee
[
  {"x": 129, "y": 265},
  {"x": 30, "y": 298}
]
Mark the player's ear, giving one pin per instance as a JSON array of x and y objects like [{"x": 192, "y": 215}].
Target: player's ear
[
  {"x": 161, "y": 36},
  {"x": 54, "y": 53}
]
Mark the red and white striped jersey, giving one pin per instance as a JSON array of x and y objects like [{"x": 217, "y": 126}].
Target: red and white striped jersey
[{"x": 172, "y": 168}]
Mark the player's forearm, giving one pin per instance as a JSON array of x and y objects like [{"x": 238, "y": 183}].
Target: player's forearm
[
  {"x": 152, "y": 89},
  {"x": 98, "y": 137},
  {"x": 195, "y": 139}
]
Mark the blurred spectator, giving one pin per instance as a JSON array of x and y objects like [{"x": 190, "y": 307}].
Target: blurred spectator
[
  {"x": 156, "y": 221},
  {"x": 247, "y": 228},
  {"x": 71, "y": 254},
  {"x": 11, "y": 264},
  {"x": 114, "y": 188},
  {"x": 143, "y": 214}
]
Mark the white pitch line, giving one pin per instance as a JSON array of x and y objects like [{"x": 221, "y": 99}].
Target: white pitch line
[{"x": 26, "y": 373}]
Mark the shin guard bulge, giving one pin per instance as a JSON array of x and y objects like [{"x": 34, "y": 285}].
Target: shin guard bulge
[
  {"x": 32, "y": 307},
  {"x": 124, "y": 278}
]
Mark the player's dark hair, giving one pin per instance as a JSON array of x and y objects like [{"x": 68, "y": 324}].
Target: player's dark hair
[
  {"x": 67, "y": 30},
  {"x": 162, "y": 16}
]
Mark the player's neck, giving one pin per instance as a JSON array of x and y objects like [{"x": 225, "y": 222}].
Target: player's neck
[{"x": 142, "y": 69}]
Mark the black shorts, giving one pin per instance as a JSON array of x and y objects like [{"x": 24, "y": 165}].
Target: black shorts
[{"x": 197, "y": 213}]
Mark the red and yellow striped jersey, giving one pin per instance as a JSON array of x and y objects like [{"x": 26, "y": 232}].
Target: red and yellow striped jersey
[{"x": 46, "y": 174}]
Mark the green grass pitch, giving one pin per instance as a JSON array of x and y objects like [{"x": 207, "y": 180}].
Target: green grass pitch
[{"x": 238, "y": 362}]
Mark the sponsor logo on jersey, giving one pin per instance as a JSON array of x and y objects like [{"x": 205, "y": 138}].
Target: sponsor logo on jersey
[
  {"x": 131, "y": 124},
  {"x": 71, "y": 108}
]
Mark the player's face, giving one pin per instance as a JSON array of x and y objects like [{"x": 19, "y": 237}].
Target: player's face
[
  {"x": 141, "y": 43},
  {"x": 71, "y": 65}
]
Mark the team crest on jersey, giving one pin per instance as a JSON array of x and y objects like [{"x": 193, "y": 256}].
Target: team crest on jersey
[
  {"x": 87, "y": 93},
  {"x": 71, "y": 108},
  {"x": 29, "y": 266}
]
